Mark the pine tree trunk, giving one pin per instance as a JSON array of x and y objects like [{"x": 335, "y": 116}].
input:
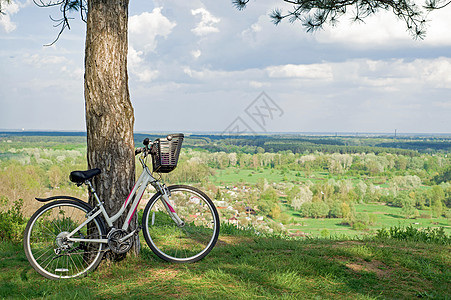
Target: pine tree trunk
[{"x": 109, "y": 112}]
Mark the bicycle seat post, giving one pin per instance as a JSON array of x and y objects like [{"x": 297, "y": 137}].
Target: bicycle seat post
[{"x": 93, "y": 191}]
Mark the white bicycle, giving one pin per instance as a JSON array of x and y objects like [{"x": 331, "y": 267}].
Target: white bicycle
[{"x": 67, "y": 238}]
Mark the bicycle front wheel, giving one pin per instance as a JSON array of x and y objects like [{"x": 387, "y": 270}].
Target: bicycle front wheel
[
  {"x": 188, "y": 242},
  {"x": 46, "y": 245}
]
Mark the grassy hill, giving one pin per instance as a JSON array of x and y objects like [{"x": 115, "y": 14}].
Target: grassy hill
[{"x": 245, "y": 266}]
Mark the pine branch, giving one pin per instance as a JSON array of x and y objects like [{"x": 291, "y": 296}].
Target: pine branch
[
  {"x": 66, "y": 7},
  {"x": 314, "y": 14}
]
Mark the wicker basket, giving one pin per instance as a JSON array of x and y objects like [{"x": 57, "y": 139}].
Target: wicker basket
[{"x": 165, "y": 153}]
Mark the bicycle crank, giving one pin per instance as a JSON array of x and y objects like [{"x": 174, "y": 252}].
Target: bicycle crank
[{"x": 116, "y": 242}]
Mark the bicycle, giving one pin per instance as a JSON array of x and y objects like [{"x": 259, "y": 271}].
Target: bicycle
[{"x": 67, "y": 237}]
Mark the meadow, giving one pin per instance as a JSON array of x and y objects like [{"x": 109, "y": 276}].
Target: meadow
[
  {"x": 355, "y": 225},
  {"x": 385, "y": 215},
  {"x": 246, "y": 266},
  {"x": 377, "y": 186}
]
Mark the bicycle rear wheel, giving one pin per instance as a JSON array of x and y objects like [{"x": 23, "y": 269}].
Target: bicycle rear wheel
[
  {"x": 189, "y": 242},
  {"x": 46, "y": 245}
]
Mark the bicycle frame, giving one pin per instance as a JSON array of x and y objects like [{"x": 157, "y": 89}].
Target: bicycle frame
[{"x": 137, "y": 192}]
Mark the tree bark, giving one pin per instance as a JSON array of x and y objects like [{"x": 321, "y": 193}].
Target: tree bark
[{"x": 109, "y": 112}]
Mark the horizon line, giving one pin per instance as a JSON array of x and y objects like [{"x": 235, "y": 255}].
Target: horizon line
[{"x": 191, "y": 132}]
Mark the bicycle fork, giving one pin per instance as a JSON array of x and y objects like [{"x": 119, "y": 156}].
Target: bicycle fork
[{"x": 165, "y": 194}]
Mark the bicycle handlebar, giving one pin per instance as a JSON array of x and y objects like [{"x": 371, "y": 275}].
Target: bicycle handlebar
[
  {"x": 138, "y": 151},
  {"x": 148, "y": 146}
]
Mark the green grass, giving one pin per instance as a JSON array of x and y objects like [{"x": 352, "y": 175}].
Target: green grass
[
  {"x": 233, "y": 176},
  {"x": 387, "y": 216},
  {"x": 244, "y": 266}
]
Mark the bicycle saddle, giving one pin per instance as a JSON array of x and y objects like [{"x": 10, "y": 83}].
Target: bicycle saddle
[{"x": 82, "y": 176}]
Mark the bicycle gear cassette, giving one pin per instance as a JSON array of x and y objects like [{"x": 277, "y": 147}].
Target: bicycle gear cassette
[{"x": 114, "y": 237}]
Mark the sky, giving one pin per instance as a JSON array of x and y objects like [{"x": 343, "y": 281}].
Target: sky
[{"x": 204, "y": 66}]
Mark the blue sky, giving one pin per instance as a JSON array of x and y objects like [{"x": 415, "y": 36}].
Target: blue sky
[{"x": 198, "y": 65}]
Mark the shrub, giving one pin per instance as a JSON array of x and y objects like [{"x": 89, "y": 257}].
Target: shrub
[
  {"x": 325, "y": 233},
  {"x": 362, "y": 217},
  {"x": 359, "y": 226},
  {"x": 12, "y": 223},
  {"x": 373, "y": 219},
  {"x": 314, "y": 210},
  {"x": 426, "y": 235},
  {"x": 425, "y": 216},
  {"x": 233, "y": 229}
]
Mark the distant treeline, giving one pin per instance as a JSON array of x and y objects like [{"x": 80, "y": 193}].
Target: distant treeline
[
  {"x": 325, "y": 148},
  {"x": 409, "y": 146},
  {"x": 274, "y": 144},
  {"x": 42, "y": 133},
  {"x": 424, "y": 146}
]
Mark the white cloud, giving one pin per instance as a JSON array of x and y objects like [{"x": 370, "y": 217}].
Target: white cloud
[
  {"x": 75, "y": 74},
  {"x": 250, "y": 34},
  {"x": 389, "y": 75},
  {"x": 134, "y": 57},
  {"x": 255, "y": 28},
  {"x": 196, "y": 53},
  {"x": 351, "y": 76},
  {"x": 313, "y": 71},
  {"x": 437, "y": 33},
  {"x": 144, "y": 31},
  {"x": 146, "y": 27},
  {"x": 39, "y": 61},
  {"x": 207, "y": 22},
  {"x": 138, "y": 67},
  {"x": 398, "y": 74},
  {"x": 436, "y": 72},
  {"x": 385, "y": 30},
  {"x": 5, "y": 20},
  {"x": 147, "y": 75}
]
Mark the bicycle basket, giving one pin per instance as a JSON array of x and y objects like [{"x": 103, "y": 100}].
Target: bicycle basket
[{"x": 165, "y": 153}]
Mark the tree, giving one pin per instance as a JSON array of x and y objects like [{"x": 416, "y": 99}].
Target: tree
[
  {"x": 443, "y": 176},
  {"x": 303, "y": 195},
  {"x": 437, "y": 195},
  {"x": 407, "y": 204},
  {"x": 275, "y": 211},
  {"x": 361, "y": 188},
  {"x": 109, "y": 111},
  {"x": 55, "y": 176},
  {"x": 313, "y": 14}
]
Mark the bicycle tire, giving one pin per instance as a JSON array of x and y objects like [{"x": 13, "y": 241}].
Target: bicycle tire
[
  {"x": 46, "y": 248},
  {"x": 186, "y": 244}
]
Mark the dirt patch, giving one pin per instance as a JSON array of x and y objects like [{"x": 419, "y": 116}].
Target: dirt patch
[
  {"x": 374, "y": 266},
  {"x": 233, "y": 240},
  {"x": 346, "y": 243},
  {"x": 163, "y": 274}
]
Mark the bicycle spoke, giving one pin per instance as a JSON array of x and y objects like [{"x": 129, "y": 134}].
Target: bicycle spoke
[
  {"x": 47, "y": 247},
  {"x": 190, "y": 242}
]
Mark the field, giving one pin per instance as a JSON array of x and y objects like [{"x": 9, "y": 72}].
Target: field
[
  {"x": 45, "y": 162},
  {"x": 386, "y": 217},
  {"x": 233, "y": 176},
  {"x": 243, "y": 266},
  {"x": 269, "y": 246}
]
